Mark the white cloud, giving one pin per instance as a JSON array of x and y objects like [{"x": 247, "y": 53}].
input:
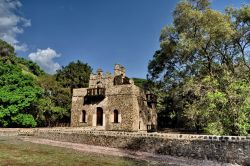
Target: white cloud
[
  {"x": 11, "y": 23},
  {"x": 45, "y": 59}
]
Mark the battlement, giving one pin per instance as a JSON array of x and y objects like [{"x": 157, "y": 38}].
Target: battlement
[{"x": 101, "y": 80}]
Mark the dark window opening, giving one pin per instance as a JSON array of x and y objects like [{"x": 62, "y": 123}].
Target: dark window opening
[
  {"x": 115, "y": 116},
  {"x": 83, "y": 116},
  {"x": 99, "y": 116},
  {"x": 150, "y": 105}
]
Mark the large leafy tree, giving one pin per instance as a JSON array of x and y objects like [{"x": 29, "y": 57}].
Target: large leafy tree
[
  {"x": 17, "y": 91},
  {"x": 204, "y": 66},
  {"x": 74, "y": 75}
]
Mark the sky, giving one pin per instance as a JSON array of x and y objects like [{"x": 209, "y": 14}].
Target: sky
[{"x": 53, "y": 33}]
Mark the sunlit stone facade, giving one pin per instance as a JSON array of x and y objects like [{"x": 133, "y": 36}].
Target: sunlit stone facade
[{"x": 113, "y": 102}]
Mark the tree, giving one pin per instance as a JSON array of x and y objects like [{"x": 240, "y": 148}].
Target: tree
[
  {"x": 17, "y": 93},
  {"x": 48, "y": 114},
  {"x": 55, "y": 104},
  {"x": 74, "y": 75},
  {"x": 18, "y": 90},
  {"x": 204, "y": 64}
]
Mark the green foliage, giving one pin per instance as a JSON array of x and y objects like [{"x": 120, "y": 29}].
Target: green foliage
[
  {"x": 7, "y": 55},
  {"x": 227, "y": 109},
  {"x": 7, "y": 52},
  {"x": 48, "y": 114},
  {"x": 203, "y": 68},
  {"x": 55, "y": 105},
  {"x": 24, "y": 120},
  {"x": 17, "y": 92},
  {"x": 29, "y": 66},
  {"x": 142, "y": 83},
  {"x": 18, "y": 89},
  {"x": 29, "y": 97},
  {"x": 74, "y": 75}
]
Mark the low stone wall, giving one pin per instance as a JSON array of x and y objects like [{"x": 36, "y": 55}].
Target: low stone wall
[
  {"x": 16, "y": 132},
  {"x": 232, "y": 149}
]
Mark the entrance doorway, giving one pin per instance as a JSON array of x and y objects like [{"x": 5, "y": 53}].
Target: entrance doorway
[{"x": 99, "y": 117}]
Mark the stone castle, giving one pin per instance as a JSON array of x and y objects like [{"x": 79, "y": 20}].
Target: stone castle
[{"x": 113, "y": 103}]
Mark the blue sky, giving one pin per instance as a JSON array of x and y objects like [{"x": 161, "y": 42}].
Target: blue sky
[{"x": 101, "y": 33}]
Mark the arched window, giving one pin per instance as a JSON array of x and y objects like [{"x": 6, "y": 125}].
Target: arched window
[
  {"x": 115, "y": 116},
  {"x": 83, "y": 116}
]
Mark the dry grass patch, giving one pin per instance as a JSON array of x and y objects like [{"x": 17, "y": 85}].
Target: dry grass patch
[{"x": 14, "y": 151}]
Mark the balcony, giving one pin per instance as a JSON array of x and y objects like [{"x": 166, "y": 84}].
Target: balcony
[
  {"x": 94, "y": 95},
  {"x": 96, "y": 92}
]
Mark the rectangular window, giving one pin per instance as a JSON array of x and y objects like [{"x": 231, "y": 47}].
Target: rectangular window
[
  {"x": 83, "y": 118},
  {"x": 116, "y": 116}
]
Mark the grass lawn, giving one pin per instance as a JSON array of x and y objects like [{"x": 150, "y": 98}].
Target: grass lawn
[{"x": 14, "y": 151}]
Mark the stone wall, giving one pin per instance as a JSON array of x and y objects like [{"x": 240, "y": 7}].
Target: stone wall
[{"x": 233, "y": 149}]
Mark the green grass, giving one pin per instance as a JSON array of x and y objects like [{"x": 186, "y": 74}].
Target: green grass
[{"x": 14, "y": 151}]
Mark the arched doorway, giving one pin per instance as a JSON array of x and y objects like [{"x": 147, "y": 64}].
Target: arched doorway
[{"x": 99, "y": 116}]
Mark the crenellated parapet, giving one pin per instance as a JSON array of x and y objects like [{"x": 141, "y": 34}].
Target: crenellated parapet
[{"x": 101, "y": 80}]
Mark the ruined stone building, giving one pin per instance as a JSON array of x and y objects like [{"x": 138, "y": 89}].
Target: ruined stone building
[{"x": 113, "y": 102}]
